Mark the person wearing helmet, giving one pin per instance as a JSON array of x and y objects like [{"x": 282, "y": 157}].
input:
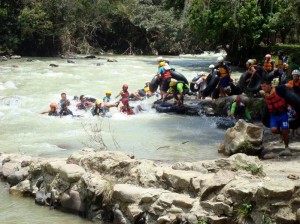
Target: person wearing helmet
[
  {"x": 127, "y": 109},
  {"x": 178, "y": 89},
  {"x": 239, "y": 110},
  {"x": 251, "y": 67},
  {"x": 295, "y": 83},
  {"x": 97, "y": 109},
  {"x": 53, "y": 110},
  {"x": 144, "y": 92},
  {"x": 164, "y": 75},
  {"x": 277, "y": 108},
  {"x": 107, "y": 101},
  {"x": 124, "y": 92},
  {"x": 200, "y": 85},
  {"x": 224, "y": 76},
  {"x": 64, "y": 111},
  {"x": 268, "y": 64}
]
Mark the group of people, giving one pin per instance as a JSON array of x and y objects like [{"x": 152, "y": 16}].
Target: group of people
[
  {"x": 99, "y": 107},
  {"x": 288, "y": 77}
]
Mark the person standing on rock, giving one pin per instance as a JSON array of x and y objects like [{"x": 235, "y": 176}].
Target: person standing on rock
[{"x": 277, "y": 107}]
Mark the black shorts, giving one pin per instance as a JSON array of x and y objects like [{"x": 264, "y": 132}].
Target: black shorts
[{"x": 165, "y": 84}]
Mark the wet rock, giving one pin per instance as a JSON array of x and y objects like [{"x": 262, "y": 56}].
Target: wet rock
[
  {"x": 111, "y": 60},
  {"x": 70, "y": 61},
  {"x": 53, "y": 65},
  {"x": 21, "y": 188},
  {"x": 42, "y": 198},
  {"x": 15, "y": 178},
  {"x": 72, "y": 202},
  {"x": 118, "y": 216}
]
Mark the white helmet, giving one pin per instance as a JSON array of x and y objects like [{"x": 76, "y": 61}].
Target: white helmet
[
  {"x": 159, "y": 59},
  {"x": 220, "y": 59},
  {"x": 250, "y": 61},
  {"x": 296, "y": 72},
  {"x": 211, "y": 66}
]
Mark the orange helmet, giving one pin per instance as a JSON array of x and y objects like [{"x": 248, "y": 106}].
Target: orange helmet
[{"x": 53, "y": 105}]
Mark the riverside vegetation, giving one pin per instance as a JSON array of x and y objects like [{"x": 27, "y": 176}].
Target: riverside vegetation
[{"x": 59, "y": 27}]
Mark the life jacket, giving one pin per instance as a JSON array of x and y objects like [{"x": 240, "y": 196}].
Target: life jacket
[
  {"x": 127, "y": 110},
  {"x": 96, "y": 110},
  {"x": 55, "y": 113},
  {"x": 83, "y": 105},
  {"x": 167, "y": 74},
  {"x": 65, "y": 112},
  {"x": 275, "y": 103},
  {"x": 268, "y": 66},
  {"x": 125, "y": 94}
]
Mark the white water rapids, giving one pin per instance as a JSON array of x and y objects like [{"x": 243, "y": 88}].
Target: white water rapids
[{"x": 27, "y": 88}]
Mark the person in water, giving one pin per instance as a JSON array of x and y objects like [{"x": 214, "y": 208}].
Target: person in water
[
  {"x": 65, "y": 111},
  {"x": 84, "y": 104},
  {"x": 127, "y": 109},
  {"x": 107, "y": 101},
  {"x": 97, "y": 109},
  {"x": 224, "y": 76},
  {"x": 178, "y": 88},
  {"x": 53, "y": 110},
  {"x": 64, "y": 99},
  {"x": 295, "y": 83},
  {"x": 124, "y": 92},
  {"x": 239, "y": 110},
  {"x": 277, "y": 107}
]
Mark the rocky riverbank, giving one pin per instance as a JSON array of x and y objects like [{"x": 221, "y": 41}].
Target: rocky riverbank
[{"x": 113, "y": 187}]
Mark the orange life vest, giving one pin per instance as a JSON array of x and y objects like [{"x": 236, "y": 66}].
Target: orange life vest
[{"x": 275, "y": 103}]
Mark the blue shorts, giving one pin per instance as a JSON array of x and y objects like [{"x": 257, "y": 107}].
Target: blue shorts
[
  {"x": 225, "y": 81},
  {"x": 279, "y": 121}
]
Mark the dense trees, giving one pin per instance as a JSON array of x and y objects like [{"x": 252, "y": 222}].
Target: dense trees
[{"x": 53, "y": 27}]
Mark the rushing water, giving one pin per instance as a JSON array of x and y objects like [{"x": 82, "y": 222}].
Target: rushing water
[{"x": 27, "y": 88}]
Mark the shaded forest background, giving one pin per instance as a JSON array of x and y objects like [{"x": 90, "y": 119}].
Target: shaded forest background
[{"x": 165, "y": 27}]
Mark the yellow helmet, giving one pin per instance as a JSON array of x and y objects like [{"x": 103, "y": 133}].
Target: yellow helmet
[
  {"x": 162, "y": 63},
  {"x": 286, "y": 66},
  {"x": 172, "y": 83},
  {"x": 108, "y": 92},
  {"x": 98, "y": 102}
]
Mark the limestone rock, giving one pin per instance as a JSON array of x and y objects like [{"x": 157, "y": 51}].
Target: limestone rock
[
  {"x": 71, "y": 172},
  {"x": 243, "y": 137},
  {"x": 53, "y": 167},
  {"x": 218, "y": 208},
  {"x": 9, "y": 168},
  {"x": 285, "y": 216},
  {"x": 72, "y": 201},
  {"x": 21, "y": 188},
  {"x": 277, "y": 189}
]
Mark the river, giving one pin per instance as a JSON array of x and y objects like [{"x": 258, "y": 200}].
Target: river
[{"x": 27, "y": 87}]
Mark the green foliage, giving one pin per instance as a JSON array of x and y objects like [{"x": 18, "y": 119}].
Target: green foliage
[
  {"x": 245, "y": 147},
  {"x": 243, "y": 212},
  {"x": 202, "y": 222},
  {"x": 253, "y": 168},
  {"x": 266, "y": 219}
]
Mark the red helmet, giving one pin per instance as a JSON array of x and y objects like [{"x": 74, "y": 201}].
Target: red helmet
[
  {"x": 53, "y": 105},
  {"x": 125, "y": 86},
  {"x": 125, "y": 100}
]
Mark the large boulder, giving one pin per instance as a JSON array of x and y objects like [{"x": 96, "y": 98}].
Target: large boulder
[{"x": 243, "y": 138}]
